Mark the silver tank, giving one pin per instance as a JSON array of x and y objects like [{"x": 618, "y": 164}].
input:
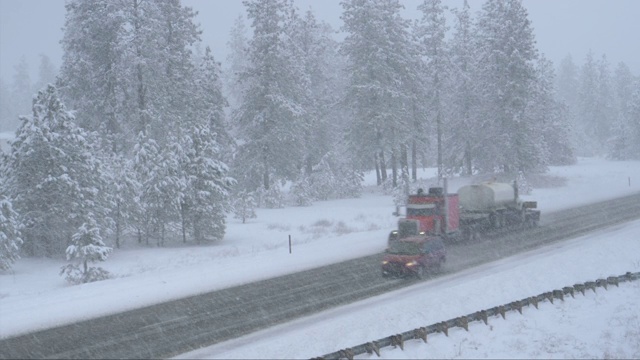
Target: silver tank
[{"x": 486, "y": 196}]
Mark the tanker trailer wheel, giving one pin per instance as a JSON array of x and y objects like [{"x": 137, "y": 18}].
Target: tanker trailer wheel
[
  {"x": 472, "y": 234},
  {"x": 497, "y": 220},
  {"x": 466, "y": 235},
  {"x": 393, "y": 236},
  {"x": 530, "y": 223}
]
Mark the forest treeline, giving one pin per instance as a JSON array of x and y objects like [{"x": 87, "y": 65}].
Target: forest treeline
[{"x": 143, "y": 135}]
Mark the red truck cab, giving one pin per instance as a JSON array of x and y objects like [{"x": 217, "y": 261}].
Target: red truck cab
[
  {"x": 413, "y": 256},
  {"x": 435, "y": 211}
]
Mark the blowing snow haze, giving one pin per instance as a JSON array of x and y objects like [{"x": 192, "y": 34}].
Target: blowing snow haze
[
  {"x": 33, "y": 27},
  {"x": 159, "y": 138}
]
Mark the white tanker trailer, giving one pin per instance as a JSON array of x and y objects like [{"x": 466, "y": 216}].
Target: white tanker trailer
[{"x": 493, "y": 205}]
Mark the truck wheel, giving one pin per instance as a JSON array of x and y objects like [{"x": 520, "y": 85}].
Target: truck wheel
[
  {"x": 466, "y": 235},
  {"x": 493, "y": 220},
  {"x": 393, "y": 236}
]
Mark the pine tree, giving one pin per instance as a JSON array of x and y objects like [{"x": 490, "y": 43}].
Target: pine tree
[
  {"x": 46, "y": 73},
  {"x": 21, "y": 92},
  {"x": 430, "y": 32},
  {"x": 625, "y": 135},
  {"x": 10, "y": 239},
  {"x": 311, "y": 42},
  {"x": 146, "y": 155},
  {"x": 380, "y": 91},
  {"x": 237, "y": 63},
  {"x": 552, "y": 145},
  {"x": 270, "y": 117},
  {"x": 323, "y": 180},
  {"x": 123, "y": 190},
  {"x": 301, "y": 191},
  {"x": 8, "y": 115},
  {"x": 211, "y": 104},
  {"x": 604, "y": 105},
  {"x": 459, "y": 154},
  {"x": 244, "y": 206},
  {"x": 567, "y": 94},
  {"x": 95, "y": 79},
  {"x": 588, "y": 100},
  {"x": 507, "y": 72},
  {"x": 209, "y": 186},
  {"x": 634, "y": 122},
  {"x": 86, "y": 247},
  {"x": 55, "y": 178}
]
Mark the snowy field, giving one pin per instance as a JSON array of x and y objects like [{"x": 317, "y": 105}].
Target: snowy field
[{"x": 33, "y": 295}]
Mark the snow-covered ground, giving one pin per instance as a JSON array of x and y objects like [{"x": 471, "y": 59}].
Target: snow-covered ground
[{"x": 33, "y": 295}]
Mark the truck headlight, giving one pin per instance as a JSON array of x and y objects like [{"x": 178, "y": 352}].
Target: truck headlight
[
  {"x": 385, "y": 262},
  {"x": 412, "y": 263}
]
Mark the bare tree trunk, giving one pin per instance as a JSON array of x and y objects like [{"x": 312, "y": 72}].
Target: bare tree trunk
[
  {"x": 183, "y": 215},
  {"x": 383, "y": 167},
  {"x": 414, "y": 161},
  {"x": 118, "y": 220},
  {"x": 394, "y": 167},
  {"x": 439, "y": 130},
  {"x": 378, "y": 178},
  {"x": 467, "y": 156}
]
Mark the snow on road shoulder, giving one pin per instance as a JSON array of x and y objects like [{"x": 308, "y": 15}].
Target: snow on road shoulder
[{"x": 576, "y": 323}]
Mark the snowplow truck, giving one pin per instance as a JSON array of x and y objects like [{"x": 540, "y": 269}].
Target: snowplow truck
[{"x": 466, "y": 215}]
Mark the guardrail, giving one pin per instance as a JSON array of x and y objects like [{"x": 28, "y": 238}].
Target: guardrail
[{"x": 421, "y": 333}]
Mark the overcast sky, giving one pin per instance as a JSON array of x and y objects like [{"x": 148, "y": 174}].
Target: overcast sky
[{"x": 33, "y": 27}]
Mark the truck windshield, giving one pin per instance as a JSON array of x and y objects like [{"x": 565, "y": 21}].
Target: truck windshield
[
  {"x": 411, "y": 211},
  {"x": 404, "y": 248}
]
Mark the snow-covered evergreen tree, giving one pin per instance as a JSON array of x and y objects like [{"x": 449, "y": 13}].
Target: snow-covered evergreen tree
[
  {"x": 270, "y": 119},
  {"x": 588, "y": 104},
  {"x": 208, "y": 187},
  {"x": 123, "y": 195},
  {"x": 211, "y": 105},
  {"x": 237, "y": 62},
  {"x": 8, "y": 116},
  {"x": 301, "y": 191},
  {"x": 95, "y": 79},
  {"x": 553, "y": 147},
  {"x": 244, "y": 206},
  {"x": 86, "y": 247},
  {"x": 507, "y": 72},
  {"x": 10, "y": 240},
  {"x": 626, "y": 125},
  {"x": 161, "y": 189},
  {"x": 634, "y": 121},
  {"x": 462, "y": 142},
  {"x": 21, "y": 92},
  {"x": 567, "y": 86},
  {"x": 323, "y": 180},
  {"x": 313, "y": 49},
  {"x": 55, "y": 178},
  {"x": 46, "y": 73},
  {"x": 430, "y": 33},
  {"x": 146, "y": 155},
  {"x": 380, "y": 73}
]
